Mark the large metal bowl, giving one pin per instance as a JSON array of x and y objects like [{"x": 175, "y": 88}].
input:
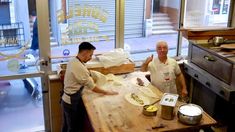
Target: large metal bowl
[{"x": 190, "y": 114}]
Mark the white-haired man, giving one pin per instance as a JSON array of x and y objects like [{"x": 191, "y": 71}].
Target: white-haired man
[{"x": 164, "y": 71}]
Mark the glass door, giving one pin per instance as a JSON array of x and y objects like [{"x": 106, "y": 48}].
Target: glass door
[
  {"x": 24, "y": 64},
  {"x": 220, "y": 10}
]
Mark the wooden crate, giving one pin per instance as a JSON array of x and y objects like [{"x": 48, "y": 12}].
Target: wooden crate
[{"x": 124, "y": 68}]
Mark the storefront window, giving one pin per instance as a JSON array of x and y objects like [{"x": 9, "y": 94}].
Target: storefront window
[
  {"x": 146, "y": 23},
  {"x": 216, "y": 6},
  {"x": 76, "y": 21},
  {"x": 21, "y": 99},
  {"x": 225, "y": 7},
  {"x": 205, "y": 14},
  {"x": 220, "y": 6}
]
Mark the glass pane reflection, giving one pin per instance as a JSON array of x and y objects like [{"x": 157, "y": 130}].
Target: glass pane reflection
[{"x": 21, "y": 106}]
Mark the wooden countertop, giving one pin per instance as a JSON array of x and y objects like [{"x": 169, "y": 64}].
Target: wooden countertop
[{"x": 114, "y": 113}]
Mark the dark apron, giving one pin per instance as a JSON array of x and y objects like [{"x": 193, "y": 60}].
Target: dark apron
[
  {"x": 73, "y": 113},
  {"x": 75, "y": 98}
]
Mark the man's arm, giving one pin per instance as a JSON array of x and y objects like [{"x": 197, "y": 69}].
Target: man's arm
[
  {"x": 181, "y": 79},
  {"x": 144, "y": 66},
  {"x": 99, "y": 90}
]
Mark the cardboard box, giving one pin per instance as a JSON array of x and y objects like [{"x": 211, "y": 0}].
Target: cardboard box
[{"x": 168, "y": 102}]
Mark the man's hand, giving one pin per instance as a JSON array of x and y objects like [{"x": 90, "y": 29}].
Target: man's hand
[
  {"x": 99, "y": 90},
  {"x": 144, "y": 66},
  {"x": 184, "y": 92},
  {"x": 149, "y": 59}
]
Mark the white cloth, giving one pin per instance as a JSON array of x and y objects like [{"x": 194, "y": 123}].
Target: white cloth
[
  {"x": 163, "y": 76},
  {"x": 99, "y": 78},
  {"x": 76, "y": 75},
  {"x": 115, "y": 57},
  {"x": 105, "y": 81}
]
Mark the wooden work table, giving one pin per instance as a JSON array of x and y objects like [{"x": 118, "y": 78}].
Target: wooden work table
[{"x": 114, "y": 113}]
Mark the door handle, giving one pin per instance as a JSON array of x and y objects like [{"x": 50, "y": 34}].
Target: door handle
[
  {"x": 209, "y": 58},
  {"x": 208, "y": 84},
  {"x": 42, "y": 62}
]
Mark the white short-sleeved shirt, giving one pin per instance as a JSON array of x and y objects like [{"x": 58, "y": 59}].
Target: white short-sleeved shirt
[
  {"x": 76, "y": 75},
  {"x": 163, "y": 75}
]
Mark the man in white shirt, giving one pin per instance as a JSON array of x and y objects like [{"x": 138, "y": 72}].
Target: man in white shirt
[
  {"x": 77, "y": 77},
  {"x": 164, "y": 71}
]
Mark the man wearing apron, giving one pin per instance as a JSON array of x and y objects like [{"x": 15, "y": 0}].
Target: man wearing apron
[
  {"x": 164, "y": 71},
  {"x": 77, "y": 77}
]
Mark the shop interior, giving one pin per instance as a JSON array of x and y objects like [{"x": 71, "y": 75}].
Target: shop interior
[{"x": 39, "y": 37}]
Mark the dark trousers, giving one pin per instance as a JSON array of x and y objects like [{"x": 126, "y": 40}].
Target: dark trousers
[{"x": 74, "y": 116}]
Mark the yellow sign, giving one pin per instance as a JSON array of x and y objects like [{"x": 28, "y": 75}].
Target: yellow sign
[
  {"x": 83, "y": 30},
  {"x": 67, "y": 41},
  {"x": 82, "y": 27},
  {"x": 85, "y": 11}
]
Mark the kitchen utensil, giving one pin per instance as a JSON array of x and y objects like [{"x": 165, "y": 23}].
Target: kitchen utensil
[
  {"x": 228, "y": 46},
  {"x": 217, "y": 40},
  {"x": 151, "y": 109},
  {"x": 159, "y": 126},
  {"x": 190, "y": 114}
]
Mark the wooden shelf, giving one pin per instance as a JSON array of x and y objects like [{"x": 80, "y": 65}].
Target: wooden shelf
[{"x": 207, "y": 33}]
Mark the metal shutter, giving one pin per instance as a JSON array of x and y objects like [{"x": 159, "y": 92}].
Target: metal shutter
[
  {"x": 134, "y": 11},
  {"x": 134, "y": 18}
]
